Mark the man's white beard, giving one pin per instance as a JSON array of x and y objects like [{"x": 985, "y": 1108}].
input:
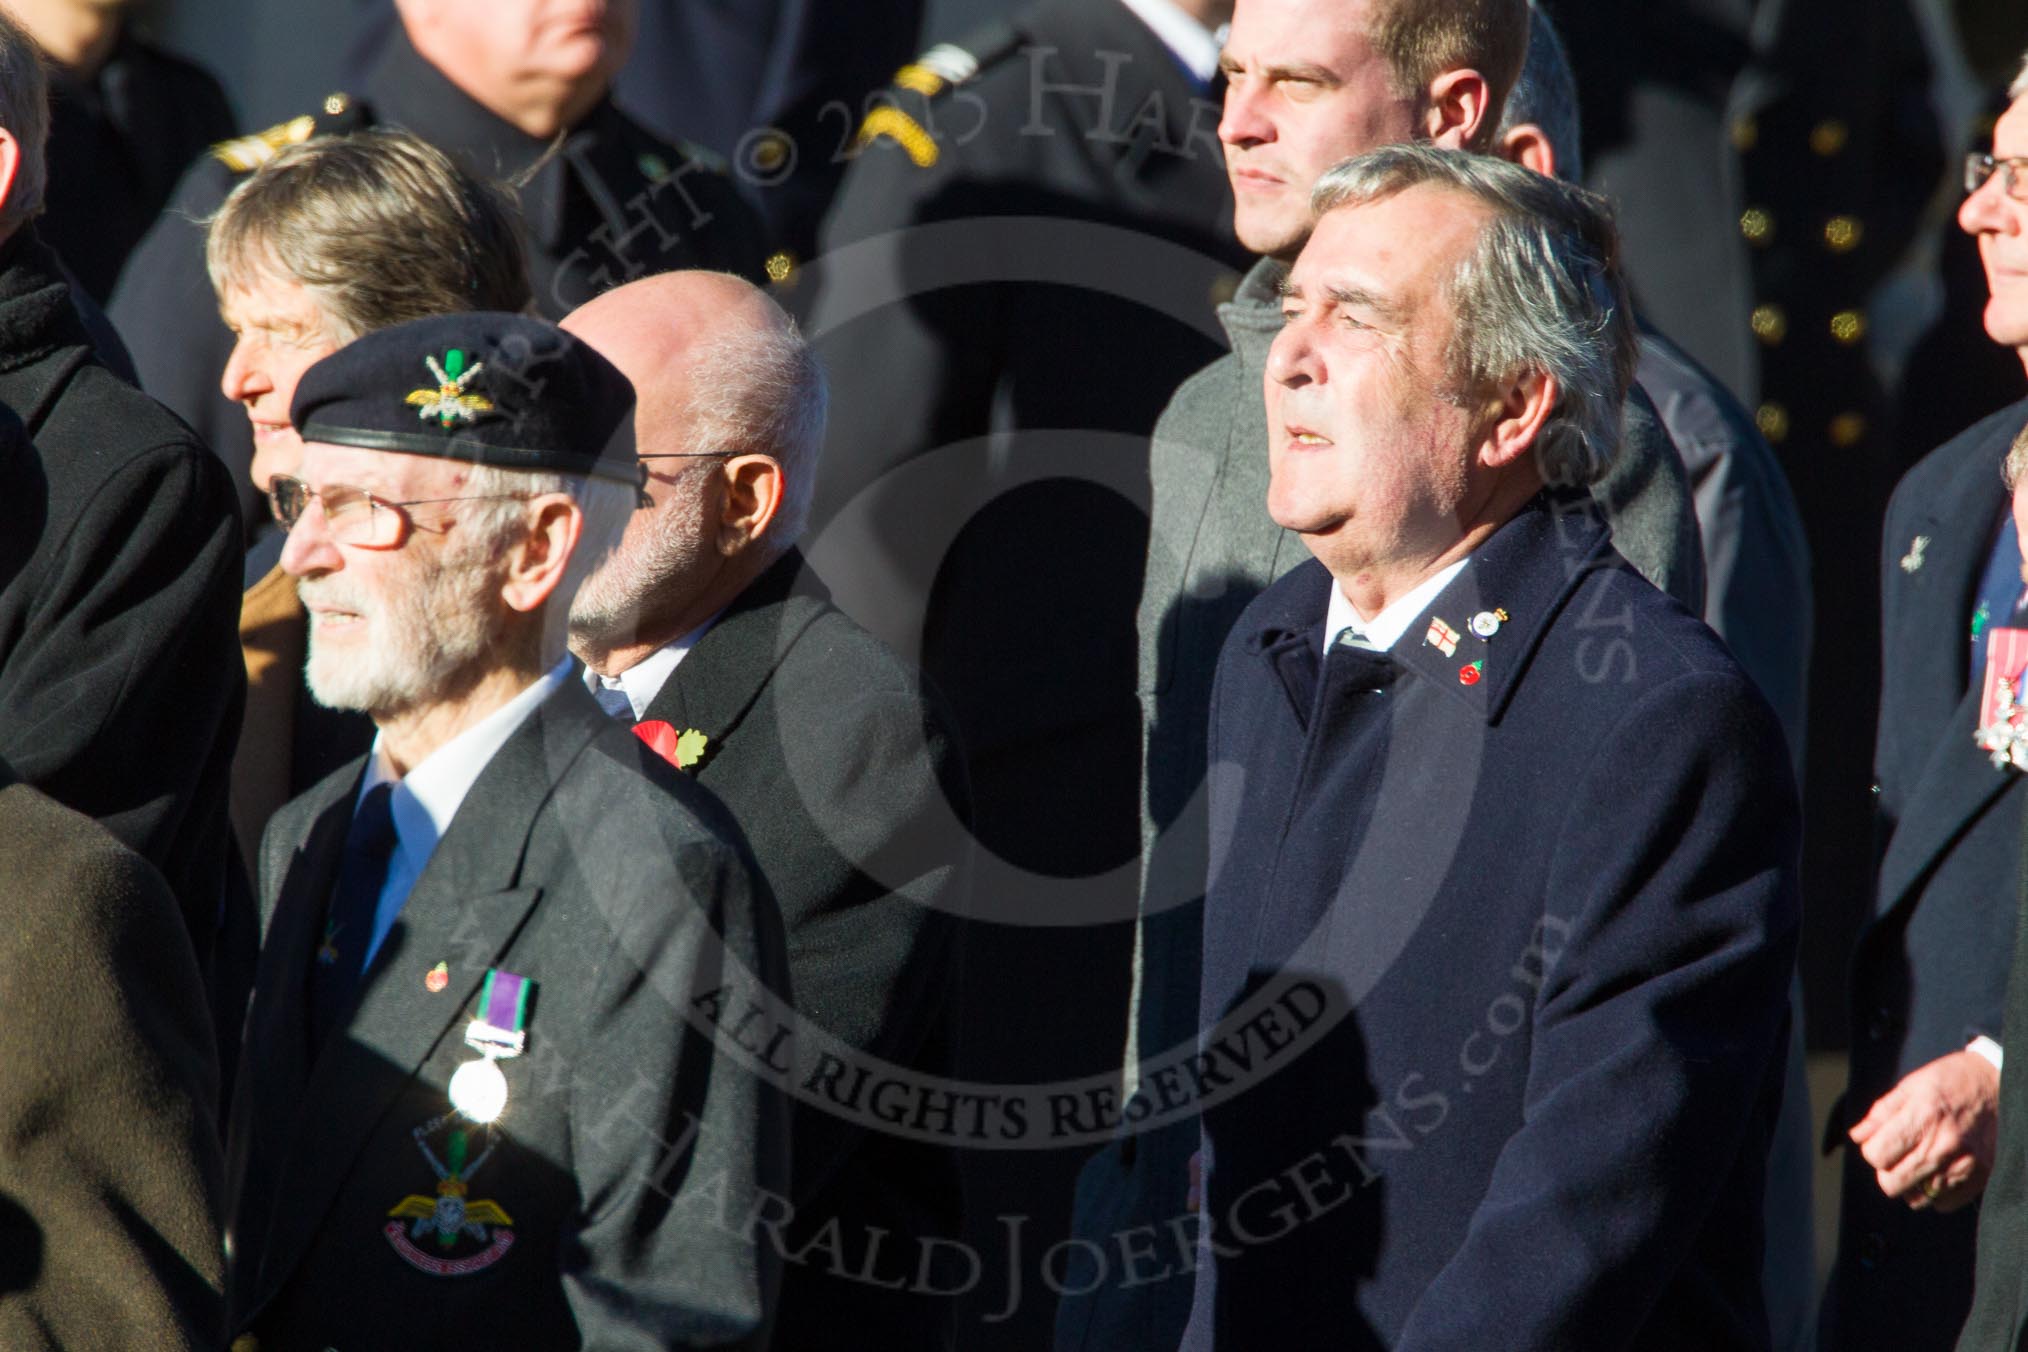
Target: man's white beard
[
  {"x": 608, "y": 607},
  {"x": 420, "y": 636}
]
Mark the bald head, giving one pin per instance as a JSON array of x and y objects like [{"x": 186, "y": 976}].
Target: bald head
[
  {"x": 659, "y": 329},
  {"x": 729, "y": 419}
]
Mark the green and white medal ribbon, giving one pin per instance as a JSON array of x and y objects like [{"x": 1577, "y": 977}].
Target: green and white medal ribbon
[{"x": 478, "y": 1089}]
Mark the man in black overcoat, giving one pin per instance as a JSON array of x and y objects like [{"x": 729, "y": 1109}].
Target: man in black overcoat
[
  {"x": 491, "y": 1092},
  {"x": 1965, "y": 1135},
  {"x": 1929, "y": 971},
  {"x": 515, "y": 95},
  {"x": 1503, "y": 908},
  {"x": 120, "y": 676},
  {"x": 709, "y": 627}
]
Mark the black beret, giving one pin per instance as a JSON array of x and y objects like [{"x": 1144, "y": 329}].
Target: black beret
[{"x": 491, "y": 388}]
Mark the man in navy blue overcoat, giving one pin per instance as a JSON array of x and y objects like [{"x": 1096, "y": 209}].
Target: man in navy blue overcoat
[{"x": 1503, "y": 892}]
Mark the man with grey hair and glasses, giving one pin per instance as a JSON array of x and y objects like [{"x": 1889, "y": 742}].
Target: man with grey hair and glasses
[
  {"x": 1935, "y": 1166},
  {"x": 482, "y": 1089},
  {"x": 1503, "y": 885}
]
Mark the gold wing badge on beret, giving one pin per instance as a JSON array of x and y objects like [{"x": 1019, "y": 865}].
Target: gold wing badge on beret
[{"x": 448, "y": 402}]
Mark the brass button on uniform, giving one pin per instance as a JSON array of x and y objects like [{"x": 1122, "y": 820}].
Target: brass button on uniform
[
  {"x": 770, "y": 152},
  {"x": 1770, "y": 324},
  {"x": 1757, "y": 224},
  {"x": 1773, "y": 421},
  {"x": 1843, "y": 233},
  {"x": 1829, "y": 136},
  {"x": 334, "y": 104},
  {"x": 781, "y": 266},
  {"x": 1847, "y": 429},
  {"x": 1848, "y": 326}
]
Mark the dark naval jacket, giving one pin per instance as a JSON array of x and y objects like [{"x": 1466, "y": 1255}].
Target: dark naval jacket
[
  {"x": 1500, "y": 928},
  {"x": 612, "y": 203}
]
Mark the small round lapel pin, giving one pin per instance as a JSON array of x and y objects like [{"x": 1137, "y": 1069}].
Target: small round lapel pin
[
  {"x": 439, "y": 977},
  {"x": 1487, "y": 622},
  {"x": 1472, "y": 674}
]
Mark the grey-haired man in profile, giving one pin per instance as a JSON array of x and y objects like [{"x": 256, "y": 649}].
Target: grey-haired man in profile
[
  {"x": 1540, "y": 875},
  {"x": 1308, "y": 83}
]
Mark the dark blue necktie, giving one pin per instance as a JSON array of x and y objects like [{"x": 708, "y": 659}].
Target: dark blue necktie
[
  {"x": 614, "y": 701},
  {"x": 340, "y": 958}
]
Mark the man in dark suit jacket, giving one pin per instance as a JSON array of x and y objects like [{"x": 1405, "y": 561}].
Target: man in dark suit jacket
[
  {"x": 1929, "y": 974},
  {"x": 825, "y": 746},
  {"x": 120, "y": 677},
  {"x": 503, "y": 852},
  {"x": 109, "y": 1158},
  {"x": 1503, "y": 898}
]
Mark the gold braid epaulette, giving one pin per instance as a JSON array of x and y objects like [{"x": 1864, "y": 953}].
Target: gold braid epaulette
[
  {"x": 244, "y": 154},
  {"x": 940, "y": 68}
]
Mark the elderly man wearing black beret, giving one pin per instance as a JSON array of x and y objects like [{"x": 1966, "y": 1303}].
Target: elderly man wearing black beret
[{"x": 486, "y": 1096}]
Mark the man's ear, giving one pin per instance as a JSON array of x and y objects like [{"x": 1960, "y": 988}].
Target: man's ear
[
  {"x": 752, "y": 488},
  {"x": 1519, "y": 409},
  {"x": 536, "y": 564},
  {"x": 1528, "y": 146},
  {"x": 1457, "y": 112}
]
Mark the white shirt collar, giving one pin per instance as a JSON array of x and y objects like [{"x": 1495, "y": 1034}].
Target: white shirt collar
[
  {"x": 644, "y": 680},
  {"x": 1386, "y": 628},
  {"x": 1196, "y": 46},
  {"x": 427, "y": 797}
]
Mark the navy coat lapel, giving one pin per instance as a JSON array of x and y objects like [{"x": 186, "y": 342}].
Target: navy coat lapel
[
  {"x": 1954, "y": 780},
  {"x": 463, "y": 911}
]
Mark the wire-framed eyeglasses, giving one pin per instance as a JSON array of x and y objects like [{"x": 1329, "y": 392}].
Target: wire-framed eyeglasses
[
  {"x": 353, "y": 515},
  {"x": 1980, "y": 166}
]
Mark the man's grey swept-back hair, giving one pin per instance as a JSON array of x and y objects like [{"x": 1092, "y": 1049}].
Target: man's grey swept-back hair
[
  {"x": 1546, "y": 94},
  {"x": 762, "y": 392},
  {"x": 2020, "y": 86},
  {"x": 24, "y": 111},
  {"x": 1540, "y": 291}
]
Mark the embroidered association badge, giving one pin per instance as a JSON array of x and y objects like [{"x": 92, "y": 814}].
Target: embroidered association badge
[
  {"x": 451, "y": 1234},
  {"x": 449, "y": 402}
]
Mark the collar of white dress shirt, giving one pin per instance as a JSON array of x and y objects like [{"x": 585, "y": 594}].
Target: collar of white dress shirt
[
  {"x": 1390, "y": 624},
  {"x": 644, "y": 680},
  {"x": 1196, "y": 46},
  {"x": 427, "y": 797}
]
